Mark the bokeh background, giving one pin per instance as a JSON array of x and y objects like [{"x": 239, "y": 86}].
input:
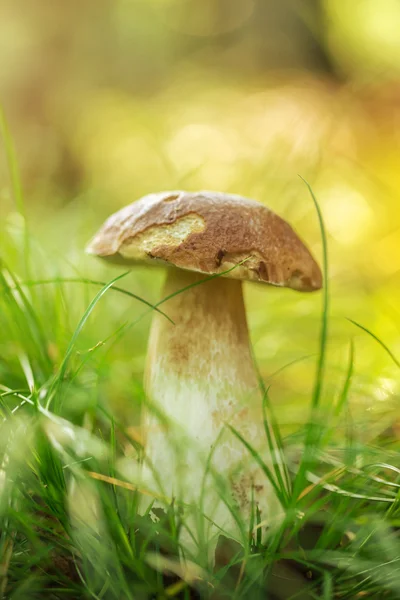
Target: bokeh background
[{"x": 107, "y": 100}]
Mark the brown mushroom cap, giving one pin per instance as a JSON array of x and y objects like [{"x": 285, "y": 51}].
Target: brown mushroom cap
[{"x": 209, "y": 232}]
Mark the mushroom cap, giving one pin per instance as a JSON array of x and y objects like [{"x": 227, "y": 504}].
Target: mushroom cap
[{"x": 209, "y": 232}]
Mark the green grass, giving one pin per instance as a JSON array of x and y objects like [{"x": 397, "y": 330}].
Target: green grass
[{"x": 72, "y": 526}]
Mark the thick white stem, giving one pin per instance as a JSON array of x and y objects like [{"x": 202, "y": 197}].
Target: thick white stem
[{"x": 200, "y": 375}]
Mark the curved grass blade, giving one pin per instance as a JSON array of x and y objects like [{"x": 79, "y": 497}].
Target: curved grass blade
[
  {"x": 63, "y": 368},
  {"x": 331, "y": 487},
  {"x": 375, "y": 337},
  {"x": 166, "y": 298},
  {"x": 383, "y": 466},
  {"x": 289, "y": 364},
  {"x": 363, "y": 472},
  {"x": 97, "y": 283}
]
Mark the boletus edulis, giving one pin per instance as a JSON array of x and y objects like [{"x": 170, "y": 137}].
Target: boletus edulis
[{"x": 200, "y": 373}]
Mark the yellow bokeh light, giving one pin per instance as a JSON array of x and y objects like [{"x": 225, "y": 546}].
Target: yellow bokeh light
[
  {"x": 199, "y": 143},
  {"x": 348, "y": 215},
  {"x": 364, "y": 36}
]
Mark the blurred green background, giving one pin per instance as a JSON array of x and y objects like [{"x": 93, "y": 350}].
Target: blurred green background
[{"x": 107, "y": 100}]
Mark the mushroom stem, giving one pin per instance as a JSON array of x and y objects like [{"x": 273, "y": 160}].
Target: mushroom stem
[{"x": 200, "y": 375}]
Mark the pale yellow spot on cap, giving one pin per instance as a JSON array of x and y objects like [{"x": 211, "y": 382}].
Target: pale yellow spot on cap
[{"x": 170, "y": 234}]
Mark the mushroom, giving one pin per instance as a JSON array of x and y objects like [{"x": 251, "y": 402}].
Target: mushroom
[{"x": 200, "y": 373}]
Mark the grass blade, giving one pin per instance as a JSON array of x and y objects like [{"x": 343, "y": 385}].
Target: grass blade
[
  {"x": 325, "y": 305},
  {"x": 313, "y": 433},
  {"x": 275, "y": 447},
  {"x": 63, "y": 368},
  {"x": 347, "y": 382},
  {"x": 267, "y": 471},
  {"x": 375, "y": 337},
  {"x": 97, "y": 283}
]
